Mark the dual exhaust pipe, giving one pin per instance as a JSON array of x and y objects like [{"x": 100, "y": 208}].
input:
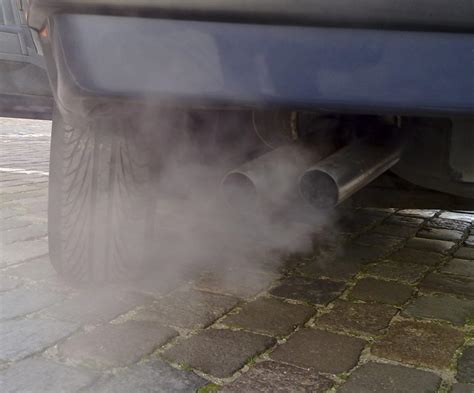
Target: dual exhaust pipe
[{"x": 322, "y": 178}]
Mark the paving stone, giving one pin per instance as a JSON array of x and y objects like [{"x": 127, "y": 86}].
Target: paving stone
[
  {"x": 329, "y": 267},
  {"x": 270, "y": 316},
  {"x": 316, "y": 291},
  {"x": 412, "y": 255},
  {"x": 7, "y": 284},
  {"x": 13, "y": 222},
  {"x": 218, "y": 352},
  {"x": 379, "y": 239},
  {"x": 33, "y": 231},
  {"x": 466, "y": 366},
  {"x": 23, "y": 301},
  {"x": 188, "y": 309},
  {"x": 21, "y": 338},
  {"x": 376, "y": 377},
  {"x": 392, "y": 270},
  {"x": 457, "y": 216},
  {"x": 373, "y": 290},
  {"x": 440, "y": 234},
  {"x": 465, "y": 253},
  {"x": 447, "y": 224},
  {"x": 358, "y": 253},
  {"x": 443, "y": 307},
  {"x": 359, "y": 317},
  {"x": 423, "y": 213},
  {"x": 440, "y": 246},
  {"x": 22, "y": 251},
  {"x": 36, "y": 270},
  {"x": 469, "y": 241},
  {"x": 150, "y": 377},
  {"x": 462, "y": 388},
  {"x": 403, "y": 220},
  {"x": 270, "y": 377},
  {"x": 396, "y": 230},
  {"x": 354, "y": 221},
  {"x": 43, "y": 376},
  {"x": 114, "y": 345},
  {"x": 95, "y": 306},
  {"x": 419, "y": 343},
  {"x": 320, "y": 350},
  {"x": 236, "y": 283},
  {"x": 462, "y": 267},
  {"x": 444, "y": 283}
]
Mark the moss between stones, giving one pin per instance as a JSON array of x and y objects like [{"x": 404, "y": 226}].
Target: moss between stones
[{"x": 209, "y": 388}]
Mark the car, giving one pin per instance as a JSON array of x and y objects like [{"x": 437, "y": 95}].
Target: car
[{"x": 315, "y": 103}]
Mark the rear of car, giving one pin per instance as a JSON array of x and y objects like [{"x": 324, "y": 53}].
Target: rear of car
[{"x": 361, "y": 102}]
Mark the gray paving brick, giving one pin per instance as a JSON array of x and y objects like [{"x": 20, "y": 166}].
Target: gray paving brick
[
  {"x": 270, "y": 316},
  {"x": 320, "y": 350},
  {"x": 466, "y": 366},
  {"x": 36, "y": 270},
  {"x": 95, "y": 306},
  {"x": 21, "y": 338},
  {"x": 218, "y": 352},
  {"x": 269, "y": 377},
  {"x": 396, "y": 230},
  {"x": 379, "y": 239},
  {"x": 415, "y": 256},
  {"x": 150, "y": 377},
  {"x": 32, "y": 231},
  {"x": 358, "y": 253},
  {"x": 40, "y": 375},
  {"x": 13, "y": 222},
  {"x": 444, "y": 283},
  {"x": 422, "y": 213},
  {"x": 462, "y": 267},
  {"x": 21, "y": 251},
  {"x": 373, "y": 290},
  {"x": 375, "y": 377},
  {"x": 408, "y": 272},
  {"x": 313, "y": 291},
  {"x": 403, "y": 220},
  {"x": 447, "y": 224},
  {"x": 462, "y": 388},
  {"x": 23, "y": 301},
  {"x": 419, "y": 343},
  {"x": 469, "y": 241},
  {"x": 329, "y": 267},
  {"x": 188, "y": 309},
  {"x": 7, "y": 284},
  {"x": 442, "y": 307},
  {"x": 358, "y": 317},
  {"x": 114, "y": 345},
  {"x": 465, "y": 253},
  {"x": 458, "y": 216},
  {"x": 242, "y": 284},
  {"x": 440, "y": 234},
  {"x": 441, "y": 246},
  {"x": 357, "y": 221}
]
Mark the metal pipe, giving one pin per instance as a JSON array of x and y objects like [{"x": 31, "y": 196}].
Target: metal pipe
[
  {"x": 270, "y": 180},
  {"x": 337, "y": 177}
]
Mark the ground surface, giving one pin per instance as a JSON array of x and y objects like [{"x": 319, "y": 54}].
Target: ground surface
[{"x": 392, "y": 312}]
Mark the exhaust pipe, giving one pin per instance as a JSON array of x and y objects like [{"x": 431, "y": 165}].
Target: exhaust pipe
[
  {"x": 270, "y": 180},
  {"x": 337, "y": 177}
]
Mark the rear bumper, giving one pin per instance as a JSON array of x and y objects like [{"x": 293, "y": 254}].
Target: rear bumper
[{"x": 214, "y": 63}]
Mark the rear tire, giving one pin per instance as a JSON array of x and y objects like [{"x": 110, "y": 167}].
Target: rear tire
[{"x": 100, "y": 213}]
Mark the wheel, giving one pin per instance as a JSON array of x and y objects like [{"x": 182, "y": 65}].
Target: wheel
[{"x": 100, "y": 214}]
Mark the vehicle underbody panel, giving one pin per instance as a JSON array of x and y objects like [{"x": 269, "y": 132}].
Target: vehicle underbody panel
[{"x": 207, "y": 63}]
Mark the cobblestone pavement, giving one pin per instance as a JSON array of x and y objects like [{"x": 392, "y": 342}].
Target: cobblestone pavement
[{"x": 392, "y": 312}]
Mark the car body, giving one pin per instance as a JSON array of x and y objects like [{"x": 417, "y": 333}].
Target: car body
[{"x": 403, "y": 65}]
